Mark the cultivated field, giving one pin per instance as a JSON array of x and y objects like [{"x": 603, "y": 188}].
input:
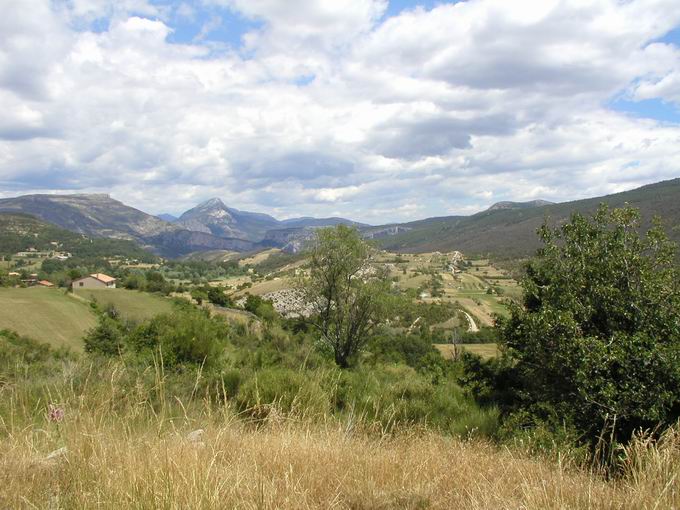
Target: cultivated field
[
  {"x": 485, "y": 351},
  {"x": 46, "y": 315},
  {"x": 131, "y": 304}
]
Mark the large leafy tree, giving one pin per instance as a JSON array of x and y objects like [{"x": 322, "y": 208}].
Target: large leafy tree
[
  {"x": 345, "y": 290},
  {"x": 597, "y": 340}
]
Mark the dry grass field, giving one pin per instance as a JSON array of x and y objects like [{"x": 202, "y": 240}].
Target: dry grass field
[
  {"x": 258, "y": 257},
  {"x": 266, "y": 286},
  {"x": 111, "y": 451}
]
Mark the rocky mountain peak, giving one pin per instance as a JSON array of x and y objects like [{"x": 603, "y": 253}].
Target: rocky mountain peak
[{"x": 211, "y": 203}]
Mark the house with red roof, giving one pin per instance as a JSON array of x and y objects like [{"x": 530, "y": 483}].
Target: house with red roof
[{"x": 94, "y": 281}]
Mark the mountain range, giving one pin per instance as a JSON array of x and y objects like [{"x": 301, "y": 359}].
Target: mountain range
[
  {"x": 210, "y": 225},
  {"x": 505, "y": 230}
]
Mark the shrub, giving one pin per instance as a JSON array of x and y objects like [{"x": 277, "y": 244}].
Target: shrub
[
  {"x": 107, "y": 337},
  {"x": 285, "y": 389}
]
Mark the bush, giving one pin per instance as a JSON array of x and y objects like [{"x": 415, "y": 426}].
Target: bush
[
  {"x": 285, "y": 389},
  {"x": 187, "y": 336},
  {"x": 260, "y": 307},
  {"x": 217, "y": 296},
  {"x": 397, "y": 395}
]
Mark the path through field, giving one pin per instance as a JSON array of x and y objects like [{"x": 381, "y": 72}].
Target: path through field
[{"x": 471, "y": 322}]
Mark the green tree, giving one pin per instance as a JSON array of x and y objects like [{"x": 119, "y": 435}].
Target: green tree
[
  {"x": 347, "y": 292},
  {"x": 597, "y": 340},
  {"x": 105, "y": 338}
]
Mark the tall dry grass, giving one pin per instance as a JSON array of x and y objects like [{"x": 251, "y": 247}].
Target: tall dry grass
[{"x": 120, "y": 451}]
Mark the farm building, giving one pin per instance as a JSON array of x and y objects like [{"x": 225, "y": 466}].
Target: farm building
[
  {"x": 45, "y": 283},
  {"x": 95, "y": 281}
]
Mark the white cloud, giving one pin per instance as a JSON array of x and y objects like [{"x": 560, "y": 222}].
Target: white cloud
[{"x": 331, "y": 108}]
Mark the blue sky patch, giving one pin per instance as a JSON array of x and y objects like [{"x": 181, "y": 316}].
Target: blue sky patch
[{"x": 648, "y": 108}]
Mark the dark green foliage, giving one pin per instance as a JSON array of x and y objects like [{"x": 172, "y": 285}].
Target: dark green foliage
[
  {"x": 413, "y": 350},
  {"x": 597, "y": 342},
  {"x": 485, "y": 335},
  {"x": 134, "y": 281},
  {"x": 397, "y": 394},
  {"x": 187, "y": 336},
  {"x": 199, "y": 294},
  {"x": 24, "y": 357},
  {"x": 105, "y": 338},
  {"x": 200, "y": 271},
  {"x": 15, "y": 348},
  {"x": 261, "y": 307},
  {"x": 276, "y": 261},
  {"x": 217, "y": 297}
]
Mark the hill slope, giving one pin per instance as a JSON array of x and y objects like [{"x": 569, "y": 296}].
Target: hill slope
[
  {"x": 19, "y": 232},
  {"x": 511, "y": 232}
]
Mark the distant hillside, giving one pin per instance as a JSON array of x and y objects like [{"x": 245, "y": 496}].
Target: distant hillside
[
  {"x": 91, "y": 214},
  {"x": 506, "y": 232},
  {"x": 519, "y": 205},
  {"x": 98, "y": 215},
  {"x": 19, "y": 232},
  {"x": 318, "y": 222}
]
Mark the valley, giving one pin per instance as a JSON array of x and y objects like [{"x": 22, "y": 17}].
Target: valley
[{"x": 223, "y": 343}]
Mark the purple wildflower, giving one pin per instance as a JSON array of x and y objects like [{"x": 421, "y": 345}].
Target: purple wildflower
[{"x": 55, "y": 413}]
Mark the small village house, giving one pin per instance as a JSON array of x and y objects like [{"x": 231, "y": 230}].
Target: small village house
[{"x": 95, "y": 281}]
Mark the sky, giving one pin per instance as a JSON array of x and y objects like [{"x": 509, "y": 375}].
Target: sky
[{"x": 375, "y": 110}]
